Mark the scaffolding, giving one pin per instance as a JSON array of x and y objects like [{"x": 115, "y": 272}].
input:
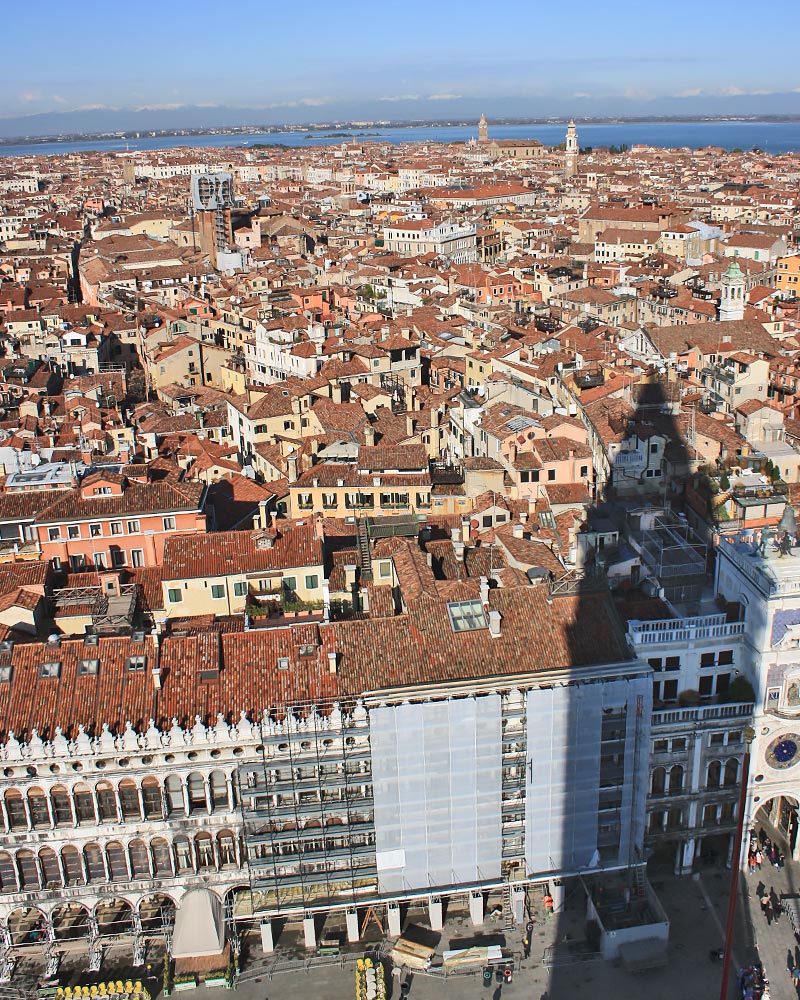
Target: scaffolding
[
  {"x": 673, "y": 554},
  {"x": 307, "y": 814}
]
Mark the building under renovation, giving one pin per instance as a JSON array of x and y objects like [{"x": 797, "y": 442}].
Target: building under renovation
[{"x": 469, "y": 742}]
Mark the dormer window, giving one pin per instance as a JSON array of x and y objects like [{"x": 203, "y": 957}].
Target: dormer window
[
  {"x": 50, "y": 669},
  {"x": 136, "y": 664},
  {"x": 88, "y": 668}
]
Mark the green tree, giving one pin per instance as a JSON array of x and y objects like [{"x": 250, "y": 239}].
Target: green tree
[{"x": 724, "y": 482}]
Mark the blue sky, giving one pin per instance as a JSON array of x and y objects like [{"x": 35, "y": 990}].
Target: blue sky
[{"x": 312, "y": 60}]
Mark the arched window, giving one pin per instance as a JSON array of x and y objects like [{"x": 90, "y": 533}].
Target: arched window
[
  {"x": 151, "y": 796},
  {"x": 84, "y": 805},
  {"x": 183, "y": 855},
  {"x": 129, "y": 800},
  {"x": 28, "y": 870},
  {"x": 174, "y": 795},
  {"x": 714, "y": 773},
  {"x": 37, "y": 803},
  {"x": 731, "y": 772},
  {"x": 51, "y": 870},
  {"x": 15, "y": 807},
  {"x": 8, "y": 875},
  {"x": 205, "y": 852},
  {"x": 659, "y": 780},
  {"x": 676, "y": 779},
  {"x": 162, "y": 858},
  {"x": 60, "y": 804},
  {"x": 197, "y": 792},
  {"x": 117, "y": 866},
  {"x": 140, "y": 863},
  {"x": 106, "y": 802},
  {"x": 95, "y": 869},
  {"x": 226, "y": 848},
  {"x": 71, "y": 863},
  {"x": 219, "y": 791}
]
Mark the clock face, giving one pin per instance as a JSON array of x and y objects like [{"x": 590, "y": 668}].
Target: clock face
[{"x": 783, "y": 751}]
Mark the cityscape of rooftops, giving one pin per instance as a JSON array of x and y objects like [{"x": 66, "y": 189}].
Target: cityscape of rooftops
[{"x": 399, "y": 482}]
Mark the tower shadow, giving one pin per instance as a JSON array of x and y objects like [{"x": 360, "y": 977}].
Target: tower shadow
[{"x": 632, "y": 554}]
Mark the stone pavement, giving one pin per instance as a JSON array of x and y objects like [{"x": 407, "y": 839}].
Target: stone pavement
[
  {"x": 696, "y": 907},
  {"x": 775, "y": 941}
]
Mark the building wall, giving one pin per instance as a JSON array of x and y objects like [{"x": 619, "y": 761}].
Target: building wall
[
  {"x": 588, "y": 746},
  {"x": 437, "y": 791},
  {"x": 140, "y": 541}
]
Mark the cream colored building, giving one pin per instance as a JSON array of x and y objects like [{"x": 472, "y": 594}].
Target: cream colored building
[{"x": 223, "y": 573}]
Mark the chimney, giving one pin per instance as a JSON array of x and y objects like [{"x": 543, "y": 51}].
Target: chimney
[
  {"x": 523, "y": 516},
  {"x": 332, "y": 664},
  {"x": 410, "y": 425},
  {"x": 155, "y": 673},
  {"x": 458, "y": 548},
  {"x": 263, "y": 516},
  {"x": 291, "y": 473},
  {"x": 518, "y": 531},
  {"x": 455, "y": 534},
  {"x": 484, "y": 591},
  {"x": 494, "y": 624},
  {"x": 434, "y": 417},
  {"x": 465, "y": 530},
  {"x": 319, "y": 528},
  {"x": 350, "y": 575},
  {"x": 369, "y": 435},
  {"x": 336, "y": 392}
]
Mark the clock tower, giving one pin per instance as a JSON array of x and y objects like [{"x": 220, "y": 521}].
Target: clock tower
[
  {"x": 483, "y": 129},
  {"x": 572, "y": 150}
]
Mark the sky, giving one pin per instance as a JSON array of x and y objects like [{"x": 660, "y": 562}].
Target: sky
[{"x": 317, "y": 61}]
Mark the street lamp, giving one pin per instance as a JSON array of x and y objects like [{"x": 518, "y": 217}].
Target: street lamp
[{"x": 733, "y": 893}]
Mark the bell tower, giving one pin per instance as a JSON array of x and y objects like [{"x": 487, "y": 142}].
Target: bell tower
[
  {"x": 572, "y": 150},
  {"x": 731, "y": 304},
  {"x": 483, "y": 129}
]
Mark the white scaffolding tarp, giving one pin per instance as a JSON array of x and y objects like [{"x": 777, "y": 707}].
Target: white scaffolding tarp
[
  {"x": 199, "y": 925},
  {"x": 437, "y": 789}
]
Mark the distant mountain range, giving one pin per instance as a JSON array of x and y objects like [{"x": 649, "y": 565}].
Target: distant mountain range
[{"x": 443, "y": 109}]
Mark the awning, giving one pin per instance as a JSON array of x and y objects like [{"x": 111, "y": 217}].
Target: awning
[{"x": 199, "y": 925}]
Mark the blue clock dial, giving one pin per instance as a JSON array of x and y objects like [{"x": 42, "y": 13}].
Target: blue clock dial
[{"x": 782, "y": 751}]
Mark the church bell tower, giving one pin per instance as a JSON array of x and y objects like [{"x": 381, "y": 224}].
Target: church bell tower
[{"x": 572, "y": 150}]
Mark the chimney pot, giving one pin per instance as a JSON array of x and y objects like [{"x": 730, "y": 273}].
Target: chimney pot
[{"x": 494, "y": 624}]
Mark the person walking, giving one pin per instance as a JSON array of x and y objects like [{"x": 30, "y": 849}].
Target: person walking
[
  {"x": 766, "y": 906},
  {"x": 795, "y": 977},
  {"x": 759, "y": 859}
]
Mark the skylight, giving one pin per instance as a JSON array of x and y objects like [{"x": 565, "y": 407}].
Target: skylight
[{"x": 467, "y": 616}]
